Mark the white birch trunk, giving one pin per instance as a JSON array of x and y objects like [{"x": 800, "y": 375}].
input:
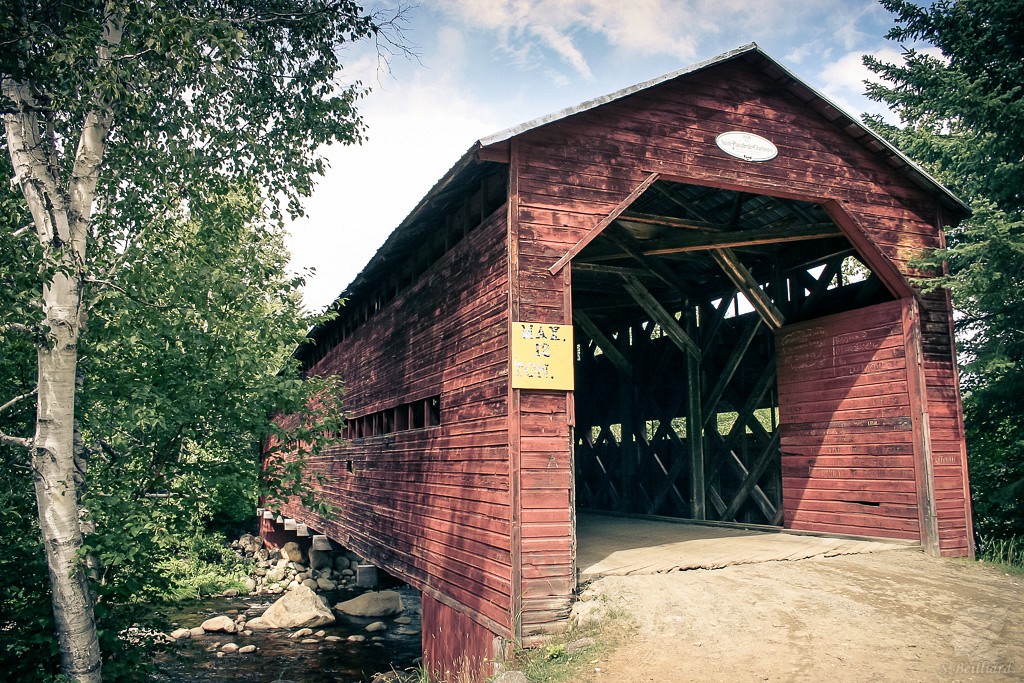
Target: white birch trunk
[{"x": 61, "y": 217}]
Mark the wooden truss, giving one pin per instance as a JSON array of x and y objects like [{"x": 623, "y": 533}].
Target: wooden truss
[{"x": 676, "y": 403}]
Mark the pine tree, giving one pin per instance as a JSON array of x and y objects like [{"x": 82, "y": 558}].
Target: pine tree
[{"x": 960, "y": 102}]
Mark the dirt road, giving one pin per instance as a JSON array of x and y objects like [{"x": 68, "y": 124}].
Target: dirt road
[{"x": 897, "y": 615}]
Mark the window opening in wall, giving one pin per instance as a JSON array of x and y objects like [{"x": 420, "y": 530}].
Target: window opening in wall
[{"x": 413, "y": 415}]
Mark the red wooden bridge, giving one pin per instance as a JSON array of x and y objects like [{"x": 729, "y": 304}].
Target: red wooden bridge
[{"x": 732, "y": 254}]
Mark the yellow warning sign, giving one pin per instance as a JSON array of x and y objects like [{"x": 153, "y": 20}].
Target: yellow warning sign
[{"x": 542, "y": 356}]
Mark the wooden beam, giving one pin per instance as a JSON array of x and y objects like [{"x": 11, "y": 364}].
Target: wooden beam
[
  {"x": 747, "y": 238},
  {"x": 695, "y": 425},
  {"x": 725, "y": 375},
  {"x": 632, "y": 246},
  {"x": 751, "y": 479},
  {"x": 745, "y": 282},
  {"x": 603, "y": 223},
  {"x": 584, "y": 267},
  {"x": 669, "y": 221},
  {"x": 669, "y": 325},
  {"x": 603, "y": 342}
]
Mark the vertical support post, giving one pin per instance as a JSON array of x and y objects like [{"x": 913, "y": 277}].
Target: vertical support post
[
  {"x": 923, "y": 474},
  {"x": 628, "y": 424},
  {"x": 514, "y": 424},
  {"x": 695, "y": 423}
]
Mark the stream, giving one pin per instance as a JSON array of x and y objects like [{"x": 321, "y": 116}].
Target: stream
[{"x": 279, "y": 657}]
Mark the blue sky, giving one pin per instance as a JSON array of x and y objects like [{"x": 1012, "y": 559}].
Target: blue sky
[{"x": 483, "y": 66}]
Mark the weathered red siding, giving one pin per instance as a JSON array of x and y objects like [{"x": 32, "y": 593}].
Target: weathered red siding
[
  {"x": 432, "y": 505},
  {"x": 573, "y": 172},
  {"x": 457, "y": 649},
  {"x": 845, "y": 411}
]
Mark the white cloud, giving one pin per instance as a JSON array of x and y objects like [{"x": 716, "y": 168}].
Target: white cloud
[
  {"x": 489, "y": 65},
  {"x": 563, "y": 46},
  {"x": 843, "y": 79}
]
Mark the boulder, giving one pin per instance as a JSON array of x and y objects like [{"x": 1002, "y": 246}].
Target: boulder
[
  {"x": 299, "y": 608},
  {"x": 319, "y": 559},
  {"x": 246, "y": 649},
  {"x": 275, "y": 574},
  {"x": 197, "y": 631},
  {"x": 301, "y": 633},
  {"x": 341, "y": 562},
  {"x": 325, "y": 584},
  {"x": 219, "y": 624},
  {"x": 292, "y": 552},
  {"x": 512, "y": 677},
  {"x": 310, "y": 583},
  {"x": 180, "y": 633},
  {"x": 229, "y": 647},
  {"x": 587, "y": 614},
  {"x": 377, "y": 626},
  {"x": 373, "y": 604}
]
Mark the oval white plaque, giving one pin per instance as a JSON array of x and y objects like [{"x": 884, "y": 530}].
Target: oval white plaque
[{"x": 746, "y": 146}]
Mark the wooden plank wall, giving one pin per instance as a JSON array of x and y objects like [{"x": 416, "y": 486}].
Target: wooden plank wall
[
  {"x": 456, "y": 648},
  {"x": 432, "y": 505},
  {"x": 848, "y": 454},
  {"x": 946, "y": 421},
  {"x": 544, "y": 442},
  {"x": 573, "y": 172}
]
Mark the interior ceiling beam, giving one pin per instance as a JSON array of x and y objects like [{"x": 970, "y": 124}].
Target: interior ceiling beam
[
  {"x": 689, "y": 205},
  {"x": 669, "y": 221},
  {"x": 749, "y": 286},
  {"x": 669, "y": 325},
  {"x": 632, "y": 246},
  {"x": 599, "y": 269},
  {"x": 748, "y": 238}
]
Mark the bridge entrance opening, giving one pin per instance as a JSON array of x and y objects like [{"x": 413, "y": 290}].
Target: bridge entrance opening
[{"x": 677, "y": 305}]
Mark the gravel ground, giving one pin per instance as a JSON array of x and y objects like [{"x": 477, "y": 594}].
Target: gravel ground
[{"x": 897, "y": 615}]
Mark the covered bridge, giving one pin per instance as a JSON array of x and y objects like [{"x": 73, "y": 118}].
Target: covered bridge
[{"x": 689, "y": 299}]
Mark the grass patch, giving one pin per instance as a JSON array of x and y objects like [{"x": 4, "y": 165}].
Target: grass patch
[
  {"x": 1005, "y": 553},
  {"x": 557, "y": 662},
  {"x": 205, "y": 565}
]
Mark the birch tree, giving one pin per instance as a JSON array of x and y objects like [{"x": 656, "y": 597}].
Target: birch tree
[{"x": 118, "y": 115}]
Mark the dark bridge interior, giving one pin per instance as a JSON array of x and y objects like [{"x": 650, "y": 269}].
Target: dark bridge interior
[{"x": 675, "y": 306}]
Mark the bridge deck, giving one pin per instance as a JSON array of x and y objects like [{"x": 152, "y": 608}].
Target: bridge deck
[{"x": 610, "y": 546}]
